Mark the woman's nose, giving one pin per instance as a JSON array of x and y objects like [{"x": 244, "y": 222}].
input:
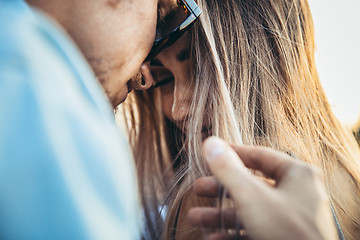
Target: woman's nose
[
  {"x": 146, "y": 80},
  {"x": 181, "y": 102}
]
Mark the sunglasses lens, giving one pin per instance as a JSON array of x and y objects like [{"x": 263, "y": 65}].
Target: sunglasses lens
[
  {"x": 173, "y": 25},
  {"x": 171, "y": 21}
]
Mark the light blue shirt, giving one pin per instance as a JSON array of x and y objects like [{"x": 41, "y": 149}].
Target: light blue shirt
[{"x": 65, "y": 171}]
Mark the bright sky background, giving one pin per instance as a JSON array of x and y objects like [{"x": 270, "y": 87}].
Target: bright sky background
[{"x": 337, "y": 36}]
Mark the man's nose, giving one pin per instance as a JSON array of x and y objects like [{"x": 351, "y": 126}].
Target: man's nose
[{"x": 146, "y": 80}]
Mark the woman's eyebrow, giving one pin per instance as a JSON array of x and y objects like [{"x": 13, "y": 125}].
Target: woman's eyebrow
[{"x": 183, "y": 55}]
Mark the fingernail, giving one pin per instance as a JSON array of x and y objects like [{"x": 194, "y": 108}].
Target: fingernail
[{"x": 214, "y": 147}]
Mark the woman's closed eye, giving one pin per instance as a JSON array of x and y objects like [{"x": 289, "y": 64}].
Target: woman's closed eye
[
  {"x": 163, "y": 77},
  {"x": 164, "y": 82}
]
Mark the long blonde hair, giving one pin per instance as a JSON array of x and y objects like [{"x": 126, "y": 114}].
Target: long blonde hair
[
  {"x": 253, "y": 68},
  {"x": 356, "y": 131}
]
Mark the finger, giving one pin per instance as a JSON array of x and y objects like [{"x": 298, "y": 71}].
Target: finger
[
  {"x": 224, "y": 236},
  {"x": 208, "y": 217},
  {"x": 226, "y": 166},
  {"x": 269, "y": 182},
  {"x": 272, "y": 163},
  {"x": 207, "y": 187}
]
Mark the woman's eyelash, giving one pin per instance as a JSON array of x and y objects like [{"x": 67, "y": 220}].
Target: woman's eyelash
[{"x": 164, "y": 82}]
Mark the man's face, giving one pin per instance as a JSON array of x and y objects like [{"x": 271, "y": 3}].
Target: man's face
[{"x": 115, "y": 37}]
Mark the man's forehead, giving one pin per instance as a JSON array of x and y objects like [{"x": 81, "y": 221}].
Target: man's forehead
[{"x": 166, "y": 6}]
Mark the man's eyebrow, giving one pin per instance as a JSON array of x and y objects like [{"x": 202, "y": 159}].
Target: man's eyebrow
[
  {"x": 155, "y": 63},
  {"x": 183, "y": 55}
]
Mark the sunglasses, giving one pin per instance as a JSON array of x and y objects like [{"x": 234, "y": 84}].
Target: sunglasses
[{"x": 193, "y": 11}]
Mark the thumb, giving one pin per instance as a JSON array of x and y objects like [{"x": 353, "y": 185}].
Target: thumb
[{"x": 227, "y": 167}]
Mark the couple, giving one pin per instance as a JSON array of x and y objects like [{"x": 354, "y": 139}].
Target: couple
[{"x": 66, "y": 173}]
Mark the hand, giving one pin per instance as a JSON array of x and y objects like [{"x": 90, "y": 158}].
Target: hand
[{"x": 297, "y": 207}]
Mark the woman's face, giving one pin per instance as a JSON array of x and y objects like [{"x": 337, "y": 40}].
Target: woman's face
[{"x": 170, "y": 70}]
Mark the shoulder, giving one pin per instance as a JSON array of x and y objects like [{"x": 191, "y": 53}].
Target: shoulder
[
  {"x": 16, "y": 20},
  {"x": 58, "y": 138}
]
